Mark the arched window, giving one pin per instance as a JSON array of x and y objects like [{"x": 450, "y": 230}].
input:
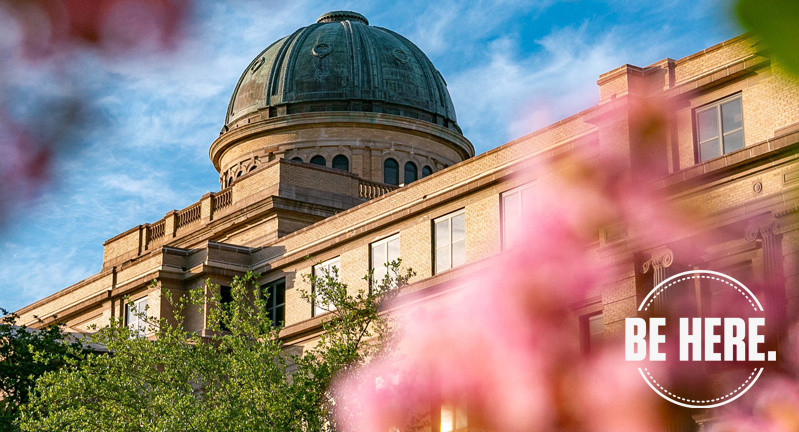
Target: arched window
[
  {"x": 411, "y": 174},
  {"x": 241, "y": 173},
  {"x": 341, "y": 162},
  {"x": 391, "y": 172},
  {"x": 252, "y": 168},
  {"x": 297, "y": 159},
  {"x": 426, "y": 171},
  {"x": 318, "y": 160}
]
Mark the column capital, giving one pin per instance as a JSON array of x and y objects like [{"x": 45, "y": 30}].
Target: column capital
[
  {"x": 659, "y": 258},
  {"x": 763, "y": 227}
]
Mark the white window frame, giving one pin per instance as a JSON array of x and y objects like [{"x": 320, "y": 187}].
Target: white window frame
[
  {"x": 379, "y": 270},
  {"x": 522, "y": 192},
  {"x": 319, "y": 273},
  {"x": 454, "y": 417},
  {"x": 133, "y": 320},
  {"x": 721, "y": 132},
  {"x": 450, "y": 249},
  {"x": 590, "y": 341},
  {"x": 272, "y": 310}
]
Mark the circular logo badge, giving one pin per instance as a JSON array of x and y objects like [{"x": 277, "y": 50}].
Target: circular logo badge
[{"x": 712, "y": 328}]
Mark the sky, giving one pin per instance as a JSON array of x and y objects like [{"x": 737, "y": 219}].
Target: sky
[{"x": 512, "y": 66}]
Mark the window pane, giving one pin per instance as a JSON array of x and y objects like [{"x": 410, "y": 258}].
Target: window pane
[
  {"x": 378, "y": 256},
  {"x": 442, "y": 258},
  {"x": 733, "y": 141},
  {"x": 270, "y": 301},
  {"x": 442, "y": 233},
  {"x": 130, "y": 318},
  {"x": 458, "y": 227},
  {"x": 341, "y": 162},
  {"x": 708, "y": 124},
  {"x": 280, "y": 315},
  {"x": 411, "y": 173},
  {"x": 731, "y": 116},
  {"x": 142, "y": 304},
  {"x": 280, "y": 291},
  {"x": 446, "y": 418},
  {"x": 391, "y": 172},
  {"x": 461, "y": 420},
  {"x": 596, "y": 330},
  {"x": 393, "y": 250},
  {"x": 458, "y": 253},
  {"x": 318, "y": 160},
  {"x": 709, "y": 150}
]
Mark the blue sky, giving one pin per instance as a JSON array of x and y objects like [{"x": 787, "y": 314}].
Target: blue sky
[{"x": 512, "y": 66}]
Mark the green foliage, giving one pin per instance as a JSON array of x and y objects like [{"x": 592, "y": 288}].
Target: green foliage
[
  {"x": 236, "y": 376},
  {"x": 776, "y": 22},
  {"x": 25, "y": 355}
]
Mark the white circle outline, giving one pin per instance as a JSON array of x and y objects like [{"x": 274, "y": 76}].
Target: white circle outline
[{"x": 694, "y": 272}]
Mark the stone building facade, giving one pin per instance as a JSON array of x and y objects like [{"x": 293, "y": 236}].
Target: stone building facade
[{"x": 341, "y": 138}]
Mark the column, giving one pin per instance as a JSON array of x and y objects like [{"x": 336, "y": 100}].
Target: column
[
  {"x": 660, "y": 262},
  {"x": 773, "y": 296}
]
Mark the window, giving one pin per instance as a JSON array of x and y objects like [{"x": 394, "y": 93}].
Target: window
[
  {"x": 225, "y": 299},
  {"x": 383, "y": 252},
  {"x": 391, "y": 172},
  {"x": 296, "y": 159},
  {"x": 515, "y": 203},
  {"x": 318, "y": 160},
  {"x": 276, "y": 300},
  {"x": 454, "y": 417},
  {"x": 449, "y": 238},
  {"x": 426, "y": 171},
  {"x": 411, "y": 173},
  {"x": 341, "y": 162},
  {"x": 321, "y": 271},
  {"x": 134, "y": 316},
  {"x": 592, "y": 328},
  {"x": 720, "y": 128}
]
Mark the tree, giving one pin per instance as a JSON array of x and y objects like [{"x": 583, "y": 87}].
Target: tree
[
  {"x": 25, "y": 355},
  {"x": 241, "y": 378}
]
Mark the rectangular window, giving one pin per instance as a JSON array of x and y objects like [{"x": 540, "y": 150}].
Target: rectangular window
[
  {"x": 719, "y": 128},
  {"x": 276, "y": 301},
  {"x": 134, "y": 316},
  {"x": 382, "y": 253},
  {"x": 593, "y": 331},
  {"x": 454, "y": 417},
  {"x": 322, "y": 271},
  {"x": 449, "y": 241},
  {"x": 515, "y": 203},
  {"x": 225, "y": 299}
]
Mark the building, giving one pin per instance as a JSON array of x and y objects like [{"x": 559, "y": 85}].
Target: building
[{"x": 341, "y": 143}]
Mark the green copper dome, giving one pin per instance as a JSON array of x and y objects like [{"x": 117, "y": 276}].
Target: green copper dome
[{"x": 341, "y": 63}]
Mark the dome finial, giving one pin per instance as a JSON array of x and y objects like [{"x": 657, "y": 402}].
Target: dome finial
[{"x": 339, "y": 16}]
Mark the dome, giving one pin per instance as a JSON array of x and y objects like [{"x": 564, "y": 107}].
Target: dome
[{"x": 341, "y": 63}]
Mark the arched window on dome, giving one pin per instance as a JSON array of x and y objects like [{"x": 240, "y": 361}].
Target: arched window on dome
[
  {"x": 252, "y": 168},
  {"x": 426, "y": 171},
  {"x": 341, "y": 162},
  {"x": 296, "y": 159},
  {"x": 241, "y": 173},
  {"x": 411, "y": 173},
  {"x": 318, "y": 160},
  {"x": 391, "y": 172}
]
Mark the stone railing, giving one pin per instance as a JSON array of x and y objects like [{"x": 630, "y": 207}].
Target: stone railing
[
  {"x": 369, "y": 189},
  {"x": 156, "y": 230},
  {"x": 223, "y": 198},
  {"x": 190, "y": 214}
]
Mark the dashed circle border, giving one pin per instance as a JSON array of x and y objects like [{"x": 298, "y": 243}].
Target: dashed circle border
[
  {"x": 650, "y": 377},
  {"x": 664, "y": 287},
  {"x": 703, "y": 274},
  {"x": 700, "y": 274}
]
